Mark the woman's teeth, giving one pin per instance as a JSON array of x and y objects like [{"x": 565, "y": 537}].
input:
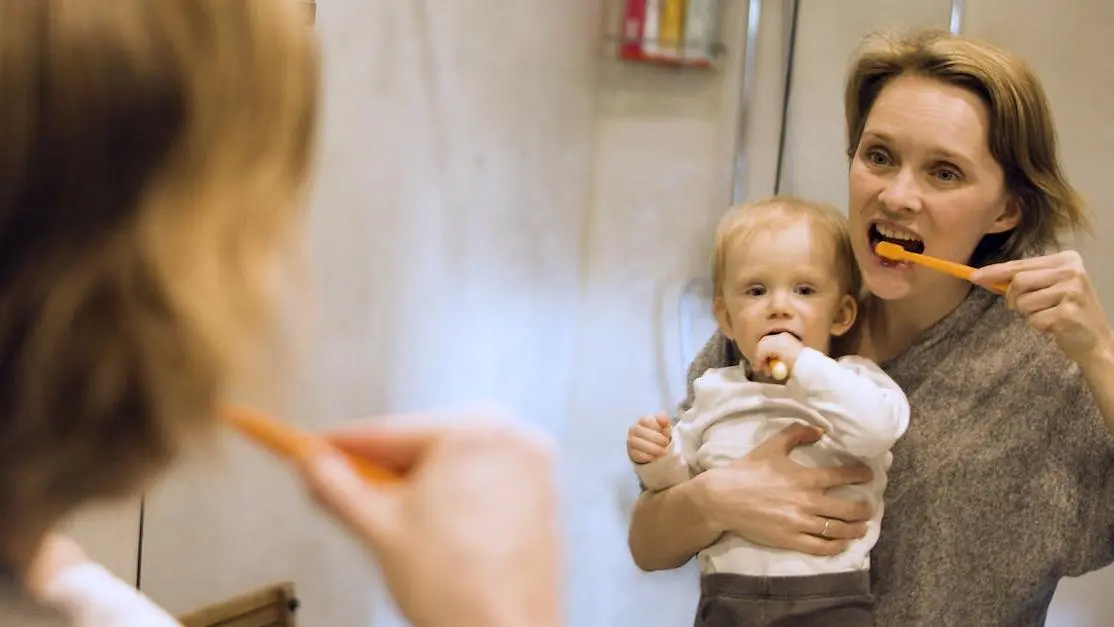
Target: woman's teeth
[
  {"x": 892, "y": 233},
  {"x": 906, "y": 239}
]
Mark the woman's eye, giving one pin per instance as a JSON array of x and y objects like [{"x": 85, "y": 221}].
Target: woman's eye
[
  {"x": 947, "y": 175},
  {"x": 875, "y": 156}
]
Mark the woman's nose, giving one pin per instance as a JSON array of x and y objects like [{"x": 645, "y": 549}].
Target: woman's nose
[{"x": 902, "y": 193}]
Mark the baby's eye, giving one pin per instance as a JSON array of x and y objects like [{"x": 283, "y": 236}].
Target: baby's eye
[
  {"x": 806, "y": 290},
  {"x": 755, "y": 290}
]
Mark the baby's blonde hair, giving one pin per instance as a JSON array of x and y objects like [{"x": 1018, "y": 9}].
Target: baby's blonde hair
[
  {"x": 152, "y": 158},
  {"x": 743, "y": 222}
]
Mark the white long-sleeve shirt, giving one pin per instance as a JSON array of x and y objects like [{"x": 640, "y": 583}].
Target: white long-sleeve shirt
[
  {"x": 90, "y": 596},
  {"x": 862, "y": 411}
]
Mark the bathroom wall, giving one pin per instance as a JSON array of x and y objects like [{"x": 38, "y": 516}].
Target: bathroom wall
[
  {"x": 664, "y": 150},
  {"x": 815, "y": 165},
  {"x": 446, "y": 257},
  {"x": 109, "y": 533}
]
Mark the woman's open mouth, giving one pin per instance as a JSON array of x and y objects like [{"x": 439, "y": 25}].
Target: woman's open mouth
[{"x": 908, "y": 240}]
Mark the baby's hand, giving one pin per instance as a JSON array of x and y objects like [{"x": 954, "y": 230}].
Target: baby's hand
[
  {"x": 648, "y": 438},
  {"x": 784, "y": 347}
]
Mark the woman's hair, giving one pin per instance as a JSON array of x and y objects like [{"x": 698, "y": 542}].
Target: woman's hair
[
  {"x": 749, "y": 220},
  {"x": 153, "y": 155},
  {"x": 1022, "y": 137}
]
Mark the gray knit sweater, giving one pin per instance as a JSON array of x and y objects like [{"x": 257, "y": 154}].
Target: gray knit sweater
[{"x": 1004, "y": 482}]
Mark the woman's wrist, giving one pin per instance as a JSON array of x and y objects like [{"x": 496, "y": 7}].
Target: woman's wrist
[
  {"x": 1100, "y": 359},
  {"x": 702, "y": 494},
  {"x": 1097, "y": 368}
]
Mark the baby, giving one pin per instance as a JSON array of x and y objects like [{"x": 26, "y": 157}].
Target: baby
[{"x": 785, "y": 284}]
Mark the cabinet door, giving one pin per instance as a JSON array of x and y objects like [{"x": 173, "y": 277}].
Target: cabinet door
[{"x": 110, "y": 534}]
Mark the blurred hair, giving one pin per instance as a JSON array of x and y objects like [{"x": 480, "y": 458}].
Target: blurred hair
[{"x": 153, "y": 155}]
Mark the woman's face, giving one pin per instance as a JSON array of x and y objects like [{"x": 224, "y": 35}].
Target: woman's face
[{"x": 923, "y": 177}]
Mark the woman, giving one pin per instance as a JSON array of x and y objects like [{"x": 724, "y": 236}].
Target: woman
[
  {"x": 153, "y": 162},
  {"x": 1004, "y": 482}
]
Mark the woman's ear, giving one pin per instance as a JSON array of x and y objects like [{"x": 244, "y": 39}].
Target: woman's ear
[
  {"x": 845, "y": 315},
  {"x": 723, "y": 317},
  {"x": 1009, "y": 217}
]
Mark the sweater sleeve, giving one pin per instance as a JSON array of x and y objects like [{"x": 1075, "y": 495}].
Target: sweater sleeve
[
  {"x": 1084, "y": 436},
  {"x": 92, "y": 597}
]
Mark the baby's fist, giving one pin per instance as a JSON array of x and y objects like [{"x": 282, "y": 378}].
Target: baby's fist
[{"x": 648, "y": 439}]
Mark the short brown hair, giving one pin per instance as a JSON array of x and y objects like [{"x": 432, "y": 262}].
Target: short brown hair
[
  {"x": 745, "y": 221},
  {"x": 1022, "y": 136},
  {"x": 152, "y": 156}
]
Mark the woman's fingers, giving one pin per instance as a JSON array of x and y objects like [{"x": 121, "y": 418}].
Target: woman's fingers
[
  {"x": 804, "y": 534},
  {"x": 814, "y": 545},
  {"x": 397, "y": 442},
  {"x": 784, "y": 441},
  {"x": 834, "y": 476},
  {"x": 370, "y": 513},
  {"x": 837, "y": 529},
  {"x": 1030, "y": 303},
  {"x": 847, "y": 510}
]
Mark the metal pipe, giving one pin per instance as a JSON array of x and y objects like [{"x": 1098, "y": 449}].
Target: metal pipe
[
  {"x": 790, "y": 53},
  {"x": 956, "y": 25},
  {"x": 750, "y": 54}
]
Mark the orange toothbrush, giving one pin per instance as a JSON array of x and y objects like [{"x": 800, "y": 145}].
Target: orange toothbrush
[
  {"x": 892, "y": 251},
  {"x": 291, "y": 443}
]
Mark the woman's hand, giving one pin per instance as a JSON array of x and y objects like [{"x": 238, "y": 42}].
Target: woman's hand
[
  {"x": 1055, "y": 294},
  {"x": 769, "y": 499},
  {"x": 470, "y": 538}
]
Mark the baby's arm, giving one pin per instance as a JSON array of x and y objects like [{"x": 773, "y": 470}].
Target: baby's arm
[
  {"x": 668, "y": 466},
  {"x": 865, "y": 409}
]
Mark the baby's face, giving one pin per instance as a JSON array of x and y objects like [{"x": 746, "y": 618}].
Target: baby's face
[{"x": 782, "y": 280}]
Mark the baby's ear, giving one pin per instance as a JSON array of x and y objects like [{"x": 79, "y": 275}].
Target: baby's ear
[{"x": 845, "y": 315}]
